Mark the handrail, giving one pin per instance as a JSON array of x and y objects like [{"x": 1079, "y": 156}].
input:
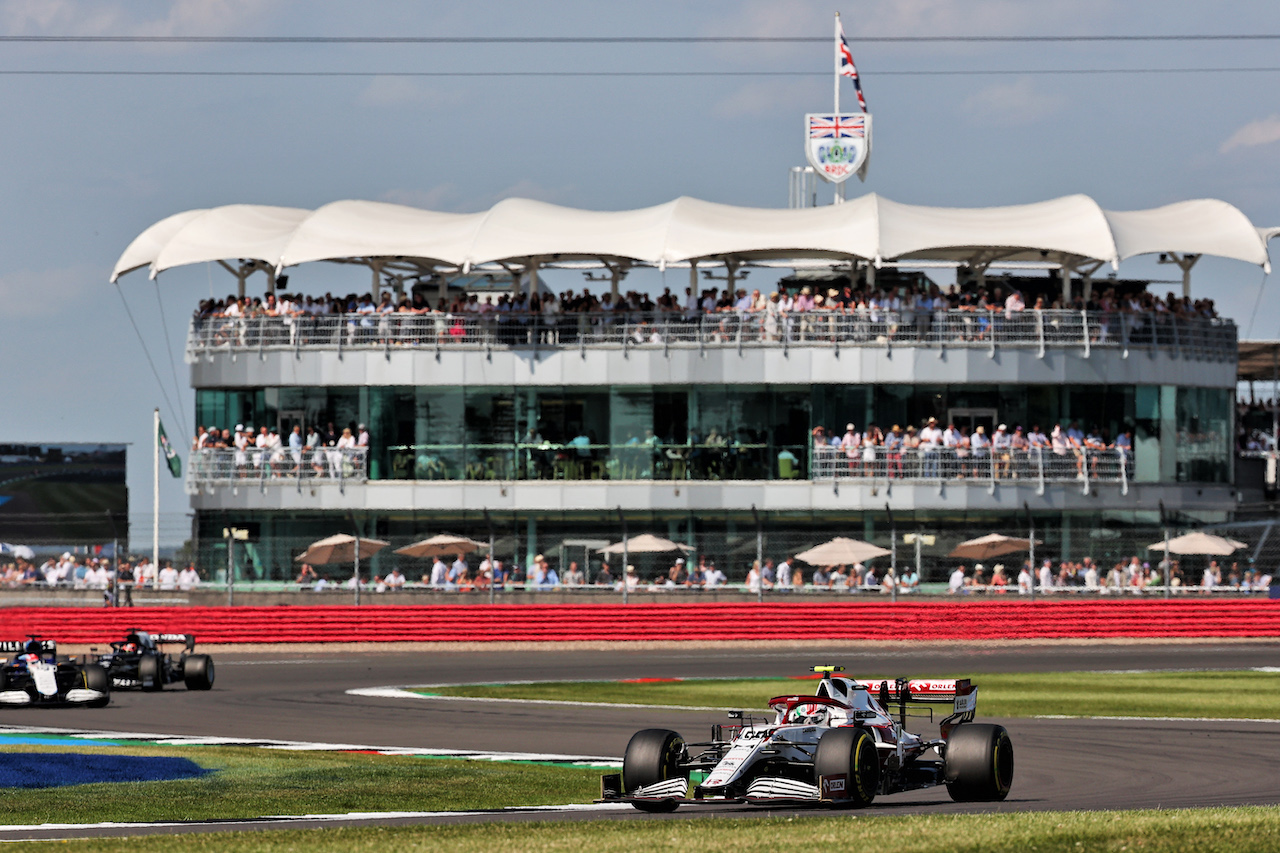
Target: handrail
[{"x": 1034, "y": 330}]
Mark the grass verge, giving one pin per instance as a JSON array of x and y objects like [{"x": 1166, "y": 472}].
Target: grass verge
[
  {"x": 1206, "y": 830},
  {"x": 250, "y": 782},
  {"x": 1149, "y": 694}
]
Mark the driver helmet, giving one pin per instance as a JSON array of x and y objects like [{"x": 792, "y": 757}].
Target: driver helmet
[
  {"x": 809, "y": 713},
  {"x": 29, "y": 657}
]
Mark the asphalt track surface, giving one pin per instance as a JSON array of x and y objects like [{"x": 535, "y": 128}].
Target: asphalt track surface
[{"x": 1060, "y": 764}]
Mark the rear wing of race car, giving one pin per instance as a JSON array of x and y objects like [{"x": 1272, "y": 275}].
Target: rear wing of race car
[
  {"x": 189, "y": 640},
  {"x": 20, "y": 646},
  {"x": 960, "y": 693}
]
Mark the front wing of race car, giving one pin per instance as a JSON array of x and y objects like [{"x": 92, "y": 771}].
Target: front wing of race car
[{"x": 46, "y": 682}]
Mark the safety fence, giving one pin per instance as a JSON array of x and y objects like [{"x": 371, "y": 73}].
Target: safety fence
[
  {"x": 1036, "y": 464},
  {"x": 1037, "y": 330},
  {"x": 664, "y": 622}
]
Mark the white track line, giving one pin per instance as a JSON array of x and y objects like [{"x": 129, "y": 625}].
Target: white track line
[
  {"x": 349, "y": 816},
  {"x": 402, "y": 693},
  {"x": 1158, "y": 719},
  {"x": 307, "y": 746}
]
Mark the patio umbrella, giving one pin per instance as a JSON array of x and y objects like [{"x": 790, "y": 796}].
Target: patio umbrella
[
  {"x": 1200, "y": 543},
  {"x": 646, "y": 543},
  {"x": 339, "y": 549},
  {"x": 441, "y": 545},
  {"x": 841, "y": 550},
  {"x": 991, "y": 546}
]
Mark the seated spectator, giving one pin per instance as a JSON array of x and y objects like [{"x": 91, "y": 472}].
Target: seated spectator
[
  {"x": 604, "y": 577},
  {"x": 714, "y": 577},
  {"x": 573, "y": 576},
  {"x": 839, "y": 579},
  {"x": 821, "y": 577},
  {"x": 998, "y": 579},
  {"x": 394, "y": 580},
  {"x": 909, "y": 581}
]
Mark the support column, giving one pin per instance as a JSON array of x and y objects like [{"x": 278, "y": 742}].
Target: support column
[
  {"x": 615, "y": 278},
  {"x": 376, "y": 286},
  {"x": 531, "y": 542},
  {"x": 1065, "y": 272},
  {"x": 271, "y": 280}
]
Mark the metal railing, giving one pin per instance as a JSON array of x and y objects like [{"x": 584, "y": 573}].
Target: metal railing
[
  {"x": 987, "y": 465},
  {"x": 1190, "y": 338},
  {"x": 277, "y": 466},
  {"x": 648, "y": 460}
]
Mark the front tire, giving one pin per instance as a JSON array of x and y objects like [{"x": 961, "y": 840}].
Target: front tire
[
  {"x": 850, "y": 753},
  {"x": 979, "y": 763},
  {"x": 653, "y": 755},
  {"x": 96, "y": 678},
  {"x": 150, "y": 672},
  {"x": 197, "y": 672}
]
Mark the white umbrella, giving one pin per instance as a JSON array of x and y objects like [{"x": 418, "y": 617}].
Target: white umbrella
[
  {"x": 646, "y": 543},
  {"x": 339, "y": 549},
  {"x": 990, "y": 546},
  {"x": 17, "y": 550},
  {"x": 841, "y": 550},
  {"x": 441, "y": 544},
  {"x": 1200, "y": 543}
]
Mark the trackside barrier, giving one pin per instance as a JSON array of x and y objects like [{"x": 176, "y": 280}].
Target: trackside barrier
[{"x": 701, "y": 622}]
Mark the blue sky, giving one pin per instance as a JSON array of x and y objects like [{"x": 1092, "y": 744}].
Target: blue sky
[{"x": 92, "y": 161}]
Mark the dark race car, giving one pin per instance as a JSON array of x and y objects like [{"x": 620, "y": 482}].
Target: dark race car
[
  {"x": 138, "y": 662},
  {"x": 35, "y": 675}
]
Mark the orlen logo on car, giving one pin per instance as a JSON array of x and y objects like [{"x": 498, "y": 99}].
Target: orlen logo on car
[{"x": 834, "y": 785}]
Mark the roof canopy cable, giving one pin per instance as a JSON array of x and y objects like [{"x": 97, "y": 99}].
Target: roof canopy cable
[
  {"x": 173, "y": 367},
  {"x": 147, "y": 352}
]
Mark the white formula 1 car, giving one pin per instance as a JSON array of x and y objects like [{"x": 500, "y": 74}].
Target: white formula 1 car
[{"x": 841, "y": 747}]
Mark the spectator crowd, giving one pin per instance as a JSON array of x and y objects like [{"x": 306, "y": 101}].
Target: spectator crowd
[{"x": 319, "y": 452}]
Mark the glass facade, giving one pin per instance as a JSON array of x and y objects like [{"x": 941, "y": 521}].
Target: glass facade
[{"x": 713, "y": 431}]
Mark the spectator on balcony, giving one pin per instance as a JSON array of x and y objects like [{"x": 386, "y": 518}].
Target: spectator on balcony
[
  {"x": 782, "y": 580},
  {"x": 1046, "y": 576},
  {"x": 394, "y": 580},
  {"x": 893, "y": 444},
  {"x": 458, "y": 572},
  {"x": 573, "y": 576},
  {"x": 821, "y": 577},
  {"x": 930, "y": 447},
  {"x": 604, "y": 577},
  {"x": 439, "y": 573},
  {"x": 980, "y": 451},
  {"x": 998, "y": 579},
  {"x": 1212, "y": 577},
  {"x": 957, "y": 584},
  {"x": 678, "y": 573},
  {"x": 167, "y": 577},
  {"x": 632, "y": 579},
  {"x": 340, "y": 457},
  {"x": 755, "y": 578},
  {"x": 1002, "y": 450},
  {"x": 1024, "y": 579},
  {"x": 714, "y": 577},
  {"x": 306, "y": 576}
]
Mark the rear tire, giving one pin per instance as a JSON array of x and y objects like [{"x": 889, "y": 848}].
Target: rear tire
[
  {"x": 851, "y": 753},
  {"x": 96, "y": 678},
  {"x": 979, "y": 763},
  {"x": 150, "y": 672},
  {"x": 197, "y": 672},
  {"x": 653, "y": 755}
]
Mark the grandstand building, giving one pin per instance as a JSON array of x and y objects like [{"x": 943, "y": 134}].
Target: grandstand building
[{"x": 706, "y": 427}]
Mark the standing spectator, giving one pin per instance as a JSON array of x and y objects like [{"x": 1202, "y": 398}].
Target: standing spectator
[
  {"x": 767, "y": 575},
  {"x": 1024, "y": 579},
  {"x": 394, "y": 580},
  {"x": 957, "y": 583},
  {"x": 1211, "y": 578},
  {"x": 755, "y": 578},
  {"x": 604, "y": 577},
  {"x": 144, "y": 575},
  {"x": 930, "y": 447},
  {"x": 714, "y": 577},
  {"x": 821, "y": 577},
  {"x": 782, "y": 580},
  {"x": 439, "y": 573},
  {"x": 168, "y": 577},
  {"x": 1046, "y": 576},
  {"x": 458, "y": 572},
  {"x": 124, "y": 585}
]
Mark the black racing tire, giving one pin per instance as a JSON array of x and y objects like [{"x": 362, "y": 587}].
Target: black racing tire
[
  {"x": 979, "y": 763},
  {"x": 849, "y": 752},
  {"x": 197, "y": 672},
  {"x": 151, "y": 669},
  {"x": 96, "y": 678},
  {"x": 653, "y": 755}
]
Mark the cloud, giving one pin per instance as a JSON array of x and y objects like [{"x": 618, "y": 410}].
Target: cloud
[
  {"x": 178, "y": 17},
  {"x": 404, "y": 91},
  {"x": 1261, "y": 132},
  {"x": 907, "y": 17},
  {"x": 766, "y": 98},
  {"x": 1013, "y": 103},
  {"x": 449, "y": 197},
  {"x": 46, "y": 292}
]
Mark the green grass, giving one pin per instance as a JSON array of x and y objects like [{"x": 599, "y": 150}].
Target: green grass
[
  {"x": 252, "y": 781},
  {"x": 1219, "y": 830},
  {"x": 1154, "y": 694}
]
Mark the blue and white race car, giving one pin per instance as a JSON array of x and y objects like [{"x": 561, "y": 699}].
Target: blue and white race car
[
  {"x": 35, "y": 675},
  {"x": 841, "y": 746}
]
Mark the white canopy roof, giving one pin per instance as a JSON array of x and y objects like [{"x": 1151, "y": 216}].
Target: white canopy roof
[{"x": 1070, "y": 230}]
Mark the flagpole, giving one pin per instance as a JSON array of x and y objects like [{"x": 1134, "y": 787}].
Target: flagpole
[
  {"x": 839, "y": 197},
  {"x": 155, "y": 494}
]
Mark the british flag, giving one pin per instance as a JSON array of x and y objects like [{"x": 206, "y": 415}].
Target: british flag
[
  {"x": 847, "y": 68},
  {"x": 837, "y": 127}
]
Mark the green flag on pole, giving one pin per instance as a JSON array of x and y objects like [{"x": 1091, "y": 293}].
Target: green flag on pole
[{"x": 170, "y": 455}]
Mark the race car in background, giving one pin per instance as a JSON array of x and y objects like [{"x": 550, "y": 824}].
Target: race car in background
[
  {"x": 138, "y": 661},
  {"x": 842, "y": 746},
  {"x": 35, "y": 675}
]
